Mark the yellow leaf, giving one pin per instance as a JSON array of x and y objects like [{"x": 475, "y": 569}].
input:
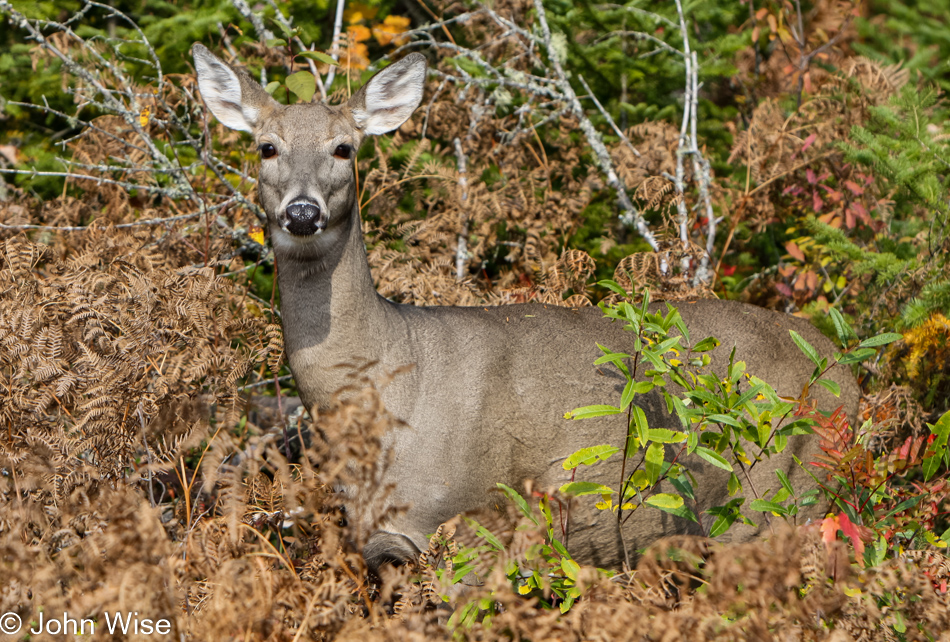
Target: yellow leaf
[
  {"x": 397, "y": 22},
  {"x": 257, "y": 235},
  {"x": 358, "y": 33},
  {"x": 355, "y": 57},
  {"x": 852, "y": 592},
  {"x": 358, "y": 11},
  {"x": 524, "y": 589},
  {"x": 143, "y": 117}
]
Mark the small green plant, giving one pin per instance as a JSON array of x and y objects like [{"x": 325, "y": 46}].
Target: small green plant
[
  {"x": 732, "y": 420},
  {"x": 546, "y": 570}
]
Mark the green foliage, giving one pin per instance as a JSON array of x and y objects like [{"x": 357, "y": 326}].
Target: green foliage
[
  {"x": 545, "y": 571},
  {"x": 607, "y": 48},
  {"x": 910, "y": 32},
  {"x": 901, "y": 146},
  {"x": 730, "y": 421}
]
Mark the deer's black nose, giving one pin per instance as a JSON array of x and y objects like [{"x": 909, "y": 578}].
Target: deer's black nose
[{"x": 305, "y": 218}]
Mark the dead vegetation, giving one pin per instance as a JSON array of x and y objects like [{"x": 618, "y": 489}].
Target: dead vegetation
[{"x": 133, "y": 476}]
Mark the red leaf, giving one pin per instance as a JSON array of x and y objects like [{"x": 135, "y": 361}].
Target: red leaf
[
  {"x": 809, "y": 141},
  {"x": 905, "y": 449},
  {"x": 860, "y": 212},
  {"x": 851, "y": 531},
  {"x": 856, "y": 189},
  {"x": 829, "y": 530},
  {"x": 784, "y": 290},
  {"x": 817, "y": 203},
  {"x": 728, "y": 270},
  {"x": 795, "y": 251},
  {"x": 810, "y": 175}
]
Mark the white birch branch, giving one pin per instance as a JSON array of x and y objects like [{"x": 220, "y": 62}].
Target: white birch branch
[
  {"x": 631, "y": 215},
  {"x": 334, "y": 44}
]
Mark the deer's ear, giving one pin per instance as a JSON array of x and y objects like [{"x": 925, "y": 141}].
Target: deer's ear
[
  {"x": 234, "y": 99},
  {"x": 390, "y": 97}
]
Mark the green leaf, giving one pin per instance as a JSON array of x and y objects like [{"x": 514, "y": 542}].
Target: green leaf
[
  {"x": 858, "y": 355},
  {"x": 593, "y": 411},
  {"x": 461, "y": 572},
  {"x": 610, "y": 356},
  {"x": 713, "y": 458},
  {"x": 570, "y": 568},
  {"x": 692, "y": 440},
  {"x": 581, "y": 488},
  {"x": 831, "y": 386},
  {"x": 750, "y": 394},
  {"x": 613, "y": 286},
  {"x": 734, "y": 486},
  {"x": 937, "y": 451},
  {"x": 588, "y": 456},
  {"x": 721, "y": 525},
  {"x": 489, "y": 537},
  {"x": 707, "y": 344},
  {"x": 805, "y": 347},
  {"x": 272, "y": 87},
  {"x": 640, "y": 422},
  {"x": 559, "y": 547},
  {"x": 666, "y": 436},
  {"x": 319, "y": 55},
  {"x": 881, "y": 340},
  {"x": 276, "y": 42},
  {"x": 783, "y": 479},
  {"x": 904, "y": 505},
  {"x": 841, "y": 327},
  {"x": 519, "y": 501},
  {"x": 664, "y": 501},
  {"x": 683, "y": 485},
  {"x": 303, "y": 84},
  {"x": 725, "y": 419},
  {"x": 654, "y": 461},
  {"x": 726, "y": 516},
  {"x": 765, "y": 506}
]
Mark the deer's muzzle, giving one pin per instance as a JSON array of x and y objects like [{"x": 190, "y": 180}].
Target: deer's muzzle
[{"x": 305, "y": 218}]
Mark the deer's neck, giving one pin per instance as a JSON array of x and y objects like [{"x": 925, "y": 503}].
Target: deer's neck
[{"x": 330, "y": 310}]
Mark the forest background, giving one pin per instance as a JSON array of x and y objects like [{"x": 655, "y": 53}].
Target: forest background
[{"x": 789, "y": 154}]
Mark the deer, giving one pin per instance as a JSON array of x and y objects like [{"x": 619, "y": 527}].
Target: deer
[{"x": 489, "y": 386}]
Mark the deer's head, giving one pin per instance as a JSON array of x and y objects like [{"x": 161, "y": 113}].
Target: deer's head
[{"x": 307, "y": 184}]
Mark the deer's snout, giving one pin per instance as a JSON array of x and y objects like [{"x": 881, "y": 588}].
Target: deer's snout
[{"x": 305, "y": 218}]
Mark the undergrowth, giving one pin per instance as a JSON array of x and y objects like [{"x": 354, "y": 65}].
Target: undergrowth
[{"x": 153, "y": 457}]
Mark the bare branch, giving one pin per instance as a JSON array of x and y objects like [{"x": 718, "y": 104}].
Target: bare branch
[
  {"x": 631, "y": 215},
  {"x": 334, "y": 51}
]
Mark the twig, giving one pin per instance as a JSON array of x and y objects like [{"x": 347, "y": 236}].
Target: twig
[
  {"x": 334, "y": 50},
  {"x": 610, "y": 120},
  {"x": 631, "y": 215},
  {"x": 263, "y": 33},
  {"x": 461, "y": 249}
]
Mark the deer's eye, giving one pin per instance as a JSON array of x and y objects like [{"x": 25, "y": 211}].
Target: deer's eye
[
  {"x": 343, "y": 151},
  {"x": 268, "y": 150}
]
